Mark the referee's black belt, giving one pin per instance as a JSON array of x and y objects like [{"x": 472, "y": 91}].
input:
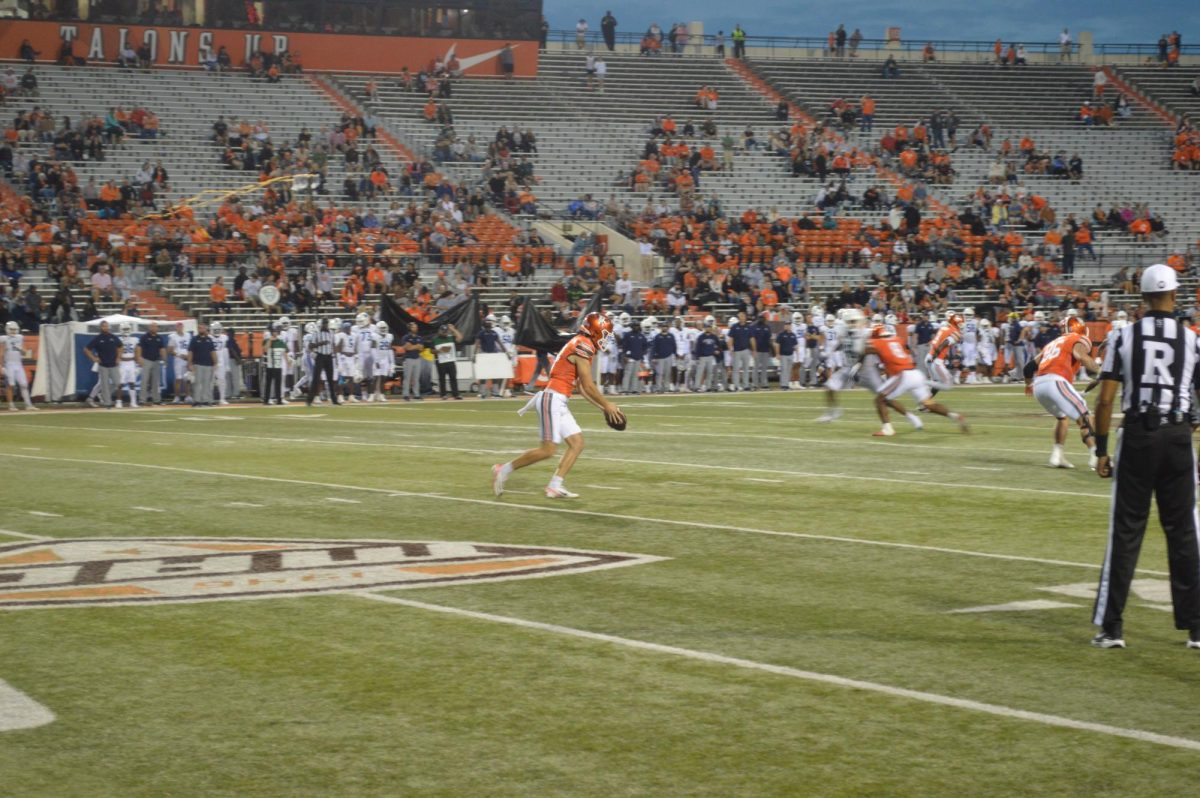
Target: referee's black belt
[{"x": 1153, "y": 419}]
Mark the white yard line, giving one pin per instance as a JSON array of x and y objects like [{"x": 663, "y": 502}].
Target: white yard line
[
  {"x": 558, "y": 508},
  {"x": 601, "y": 487},
  {"x": 809, "y": 676},
  {"x": 24, "y": 535},
  {"x": 628, "y": 460},
  {"x": 759, "y": 479},
  {"x": 44, "y": 514},
  {"x": 147, "y": 509},
  {"x": 979, "y": 468},
  {"x": 340, "y": 500},
  {"x": 243, "y": 504},
  {"x": 19, "y": 711}
]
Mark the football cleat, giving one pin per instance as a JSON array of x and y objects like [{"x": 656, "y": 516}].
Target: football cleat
[
  {"x": 1058, "y": 461},
  {"x": 497, "y": 479},
  {"x": 560, "y": 493},
  {"x": 1105, "y": 640}
]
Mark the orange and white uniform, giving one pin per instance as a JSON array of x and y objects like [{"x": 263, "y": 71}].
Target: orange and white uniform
[
  {"x": 902, "y": 374},
  {"x": 554, "y": 417},
  {"x": 1057, "y": 367},
  {"x": 938, "y": 371}
]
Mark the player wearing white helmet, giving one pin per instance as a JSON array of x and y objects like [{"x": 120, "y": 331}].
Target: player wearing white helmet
[
  {"x": 799, "y": 329},
  {"x": 849, "y": 336},
  {"x": 969, "y": 344},
  {"x": 305, "y": 363},
  {"x": 290, "y": 337},
  {"x": 220, "y": 362},
  {"x": 365, "y": 342},
  {"x": 383, "y": 365},
  {"x": 129, "y": 366},
  {"x": 345, "y": 345},
  {"x": 12, "y": 346},
  {"x": 508, "y": 342},
  {"x": 986, "y": 350},
  {"x": 685, "y": 337},
  {"x": 608, "y": 360},
  {"x": 178, "y": 344}
]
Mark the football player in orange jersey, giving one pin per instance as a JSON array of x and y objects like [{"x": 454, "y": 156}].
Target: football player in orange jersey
[
  {"x": 572, "y": 367},
  {"x": 939, "y": 351},
  {"x": 902, "y": 377},
  {"x": 1048, "y": 379}
]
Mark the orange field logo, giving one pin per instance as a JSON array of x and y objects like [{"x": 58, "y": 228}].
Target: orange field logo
[{"x": 124, "y": 571}]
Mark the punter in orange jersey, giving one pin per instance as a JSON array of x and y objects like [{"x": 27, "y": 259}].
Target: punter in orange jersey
[
  {"x": 939, "y": 350},
  {"x": 902, "y": 378},
  {"x": 572, "y": 367},
  {"x": 1048, "y": 378}
]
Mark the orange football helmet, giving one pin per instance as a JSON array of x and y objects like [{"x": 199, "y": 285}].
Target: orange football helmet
[
  {"x": 1076, "y": 325},
  {"x": 879, "y": 331},
  {"x": 598, "y": 326},
  {"x": 955, "y": 320}
]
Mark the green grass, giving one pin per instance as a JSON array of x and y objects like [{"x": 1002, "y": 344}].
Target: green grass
[{"x": 337, "y": 695}]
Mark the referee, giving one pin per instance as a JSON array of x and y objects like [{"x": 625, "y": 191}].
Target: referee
[
  {"x": 1154, "y": 362},
  {"x": 322, "y": 348}
]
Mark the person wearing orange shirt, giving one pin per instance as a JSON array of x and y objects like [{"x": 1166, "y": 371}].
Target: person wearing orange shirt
[
  {"x": 572, "y": 368},
  {"x": 1048, "y": 378},
  {"x": 902, "y": 377},
  {"x": 867, "y": 121},
  {"x": 217, "y": 295}
]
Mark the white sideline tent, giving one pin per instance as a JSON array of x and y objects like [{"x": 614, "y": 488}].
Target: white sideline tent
[{"x": 63, "y": 370}]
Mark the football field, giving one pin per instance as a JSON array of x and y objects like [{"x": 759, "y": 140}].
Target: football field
[{"x": 251, "y": 601}]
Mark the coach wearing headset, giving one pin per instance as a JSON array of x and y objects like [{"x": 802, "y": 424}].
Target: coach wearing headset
[{"x": 1154, "y": 361}]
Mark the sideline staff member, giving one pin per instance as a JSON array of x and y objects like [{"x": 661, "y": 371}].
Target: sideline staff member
[{"x": 1154, "y": 362}]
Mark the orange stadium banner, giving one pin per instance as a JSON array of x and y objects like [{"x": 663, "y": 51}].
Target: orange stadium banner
[{"x": 185, "y": 47}]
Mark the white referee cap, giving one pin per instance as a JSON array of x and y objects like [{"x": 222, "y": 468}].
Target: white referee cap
[{"x": 1159, "y": 278}]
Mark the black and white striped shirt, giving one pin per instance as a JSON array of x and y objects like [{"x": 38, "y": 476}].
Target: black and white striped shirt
[
  {"x": 1154, "y": 359},
  {"x": 322, "y": 342}
]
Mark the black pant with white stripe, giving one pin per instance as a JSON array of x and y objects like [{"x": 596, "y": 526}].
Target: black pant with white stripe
[{"x": 1159, "y": 462}]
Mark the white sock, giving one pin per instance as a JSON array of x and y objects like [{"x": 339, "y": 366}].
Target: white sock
[
  {"x": 506, "y": 469},
  {"x": 953, "y": 416},
  {"x": 1057, "y": 450},
  {"x": 914, "y": 419},
  {"x": 556, "y": 481}
]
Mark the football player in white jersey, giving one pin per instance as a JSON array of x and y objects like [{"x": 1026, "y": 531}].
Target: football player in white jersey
[
  {"x": 306, "y": 362},
  {"x": 969, "y": 345},
  {"x": 220, "y": 362},
  {"x": 12, "y": 344},
  {"x": 384, "y": 363},
  {"x": 986, "y": 350},
  {"x": 128, "y": 364},
  {"x": 508, "y": 340},
  {"x": 291, "y": 340},
  {"x": 685, "y": 336},
  {"x": 178, "y": 343},
  {"x": 345, "y": 344},
  {"x": 366, "y": 334},
  {"x": 800, "y": 330},
  {"x": 849, "y": 337}
]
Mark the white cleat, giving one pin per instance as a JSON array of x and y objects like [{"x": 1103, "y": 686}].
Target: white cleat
[
  {"x": 1058, "y": 461},
  {"x": 223, "y": 402},
  {"x": 560, "y": 493},
  {"x": 497, "y": 479},
  {"x": 12, "y": 408},
  {"x": 119, "y": 405},
  {"x": 382, "y": 399},
  {"x": 30, "y": 407},
  {"x": 1092, "y": 461},
  {"x": 825, "y": 419}
]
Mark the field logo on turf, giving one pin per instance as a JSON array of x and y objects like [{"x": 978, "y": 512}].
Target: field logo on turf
[{"x": 123, "y": 571}]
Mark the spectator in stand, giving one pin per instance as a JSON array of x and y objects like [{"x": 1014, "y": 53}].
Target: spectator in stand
[
  {"x": 739, "y": 42},
  {"x": 608, "y": 29},
  {"x": 218, "y": 295},
  {"x": 927, "y": 53},
  {"x": 1064, "y": 45},
  {"x": 26, "y": 52},
  {"x": 890, "y": 68},
  {"x": 581, "y": 31},
  {"x": 507, "y": 63}
]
